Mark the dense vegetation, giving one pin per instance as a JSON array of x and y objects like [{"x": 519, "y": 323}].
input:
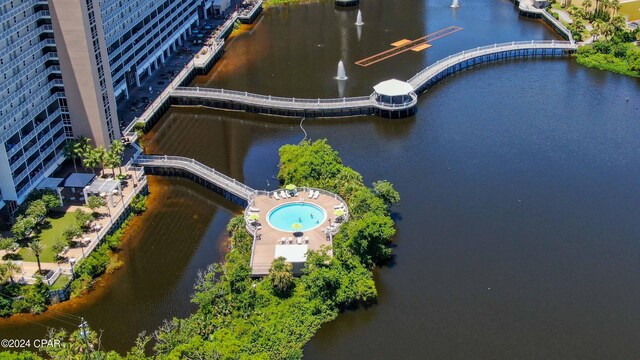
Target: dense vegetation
[
  {"x": 613, "y": 47},
  {"x": 272, "y": 318},
  {"x": 18, "y": 298},
  {"x": 104, "y": 258},
  {"x": 617, "y": 57}
]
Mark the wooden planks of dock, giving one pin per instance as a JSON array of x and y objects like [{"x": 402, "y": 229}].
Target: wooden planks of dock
[{"x": 404, "y": 45}]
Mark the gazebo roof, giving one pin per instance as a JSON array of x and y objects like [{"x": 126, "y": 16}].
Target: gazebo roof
[
  {"x": 103, "y": 186},
  {"x": 50, "y": 183},
  {"x": 393, "y": 87},
  {"x": 78, "y": 180}
]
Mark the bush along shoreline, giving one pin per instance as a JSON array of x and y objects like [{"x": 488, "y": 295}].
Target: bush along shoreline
[
  {"x": 34, "y": 299},
  {"x": 240, "y": 317}
]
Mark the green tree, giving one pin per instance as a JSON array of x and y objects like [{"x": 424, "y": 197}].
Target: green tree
[
  {"x": 58, "y": 246},
  {"x": 51, "y": 199},
  {"x": 587, "y": 4},
  {"x": 385, "y": 191},
  {"x": 37, "y": 248},
  {"x": 7, "y": 243},
  {"x": 95, "y": 202},
  {"x": 117, "y": 150},
  {"x": 37, "y": 210},
  {"x": 281, "y": 276},
  {"x": 82, "y": 145},
  {"x": 83, "y": 218},
  {"x": 70, "y": 153},
  {"x": 101, "y": 154},
  {"x": 22, "y": 227},
  {"x": 72, "y": 231},
  {"x": 112, "y": 161},
  {"x": 7, "y": 270},
  {"x": 92, "y": 158}
]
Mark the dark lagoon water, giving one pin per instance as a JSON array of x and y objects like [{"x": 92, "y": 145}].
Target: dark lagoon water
[{"x": 518, "y": 232}]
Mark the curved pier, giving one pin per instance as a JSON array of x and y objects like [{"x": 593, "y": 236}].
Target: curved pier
[
  {"x": 465, "y": 59},
  {"x": 350, "y": 106},
  {"x": 283, "y": 106}
]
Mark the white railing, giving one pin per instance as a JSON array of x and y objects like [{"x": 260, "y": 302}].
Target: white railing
[
  {"x": 272, "y": 101},
  {"x": 195, "y": 167},
  {"x": 248, "y": 14},
  {"x": 528, "y": 7},
  {"x": 157, "y": 103},
  {"x": 432, "y": 70}
]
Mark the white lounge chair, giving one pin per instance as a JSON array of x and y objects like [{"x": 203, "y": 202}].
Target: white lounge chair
[
  {"x": 275, "y": 195},
  {"x": 338, "y": 206},
  {"x": 306, "y": 239},
  {"x": 283, "y": 194},
  {"x": 253, "y": 209},
  {"x": 290, "y": 240},
  {"x": 283, "y": 240},
  {"x": 315, "y": 196},
  {"x": 310, "y": 194}
]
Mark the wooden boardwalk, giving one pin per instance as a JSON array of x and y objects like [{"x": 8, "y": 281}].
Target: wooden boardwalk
[
  {"x": 465, "y": 59},
  {"x": 198, "y": 169}
]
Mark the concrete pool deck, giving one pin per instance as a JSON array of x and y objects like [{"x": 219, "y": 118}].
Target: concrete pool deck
[{"x": 268, "y": 238}]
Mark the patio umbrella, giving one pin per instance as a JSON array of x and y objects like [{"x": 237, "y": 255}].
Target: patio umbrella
[
  {"x": 296, "y": 226},
  {"x": 338, "y": 212},
  {"x": 254, "y": 217},
  {"x": 290, "y": 187}
]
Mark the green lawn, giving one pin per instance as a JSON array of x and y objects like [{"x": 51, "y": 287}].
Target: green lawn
[
  {"x": 631, "y": 9},
  {"x": 57, "y": 223},
  {"x": 61, "y": 282}
]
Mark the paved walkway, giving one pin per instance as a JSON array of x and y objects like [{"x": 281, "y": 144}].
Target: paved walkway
[{"x": 29, "y": 268}]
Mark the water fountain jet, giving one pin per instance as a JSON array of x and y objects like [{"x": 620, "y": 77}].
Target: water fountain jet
[
  {"x": 359, "y": 21},
  {"x": 342, "y": 75},
  {"x": 455, "y": 4}
]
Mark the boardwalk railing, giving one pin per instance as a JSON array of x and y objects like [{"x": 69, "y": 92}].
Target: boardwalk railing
[
  {"x": 434, "y": 69},
  {"x": 219, "y": 179},
  {"x": 272, "y": 101},
  {"x": 528, "y": 7}
]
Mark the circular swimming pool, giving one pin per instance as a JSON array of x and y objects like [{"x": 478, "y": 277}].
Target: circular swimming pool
[{"x": 296, "y": 217}]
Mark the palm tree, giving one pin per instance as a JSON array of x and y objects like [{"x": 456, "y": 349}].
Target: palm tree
[
  {"x": 7, "y": 270},
  {"x": 82, "y": 146},
  {"x": 37, "y": 249},
  {"x": 587, "y": 4},
  {"x": 91, "y": 159},
  {"x": 101, "y": 154},
  {"x": 281, "y": 276},
  {"x": 615, "y": 5},
  {"x": 117, "y": 149},
  {"x": 69, "y": 152}
]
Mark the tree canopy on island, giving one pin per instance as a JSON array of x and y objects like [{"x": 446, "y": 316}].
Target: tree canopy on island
[{"x": 239, "y": 317}]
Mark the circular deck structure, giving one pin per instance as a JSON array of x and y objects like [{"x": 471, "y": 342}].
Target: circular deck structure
[
  {"x": 289, "y": 223},
  {"x": 296, "y": 217}
]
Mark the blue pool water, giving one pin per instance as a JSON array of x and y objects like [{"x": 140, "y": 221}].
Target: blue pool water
[{"x": 309, "y": 216}]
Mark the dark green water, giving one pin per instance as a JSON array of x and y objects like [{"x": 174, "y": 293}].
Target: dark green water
[{"x": 517, "y": 235}]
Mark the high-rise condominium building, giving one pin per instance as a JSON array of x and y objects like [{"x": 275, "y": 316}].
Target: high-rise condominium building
[
  {"x": 63, "y": 64},
  {"x": 34, "y": 118}
]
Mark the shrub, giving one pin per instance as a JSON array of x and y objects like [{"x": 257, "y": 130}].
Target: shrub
[{"x": 139, "y": 204}]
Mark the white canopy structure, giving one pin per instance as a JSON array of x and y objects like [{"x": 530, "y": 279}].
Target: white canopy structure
[
  {"x": 393, "y": 87},
  {"x": 103, "y": 187},
  {"x": 394, "y": 93},
  {"x": 293, "y": 253}
]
